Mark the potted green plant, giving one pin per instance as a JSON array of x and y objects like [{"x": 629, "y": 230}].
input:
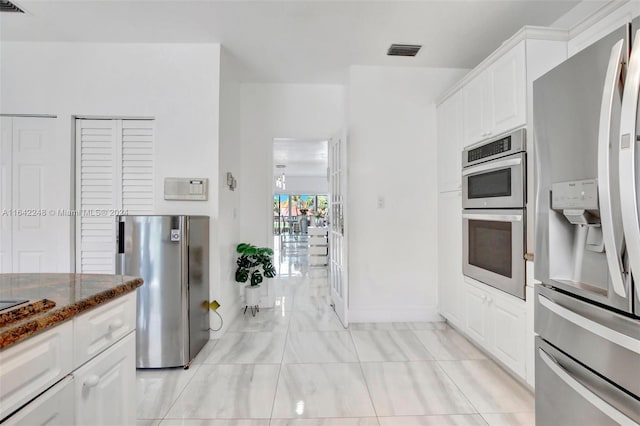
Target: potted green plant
[{"x": 254, "y": 265}]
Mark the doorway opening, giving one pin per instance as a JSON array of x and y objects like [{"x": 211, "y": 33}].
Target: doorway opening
[{"x": 300, "y": 206}]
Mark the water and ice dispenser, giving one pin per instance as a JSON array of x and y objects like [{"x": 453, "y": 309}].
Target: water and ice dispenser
[{"x": 576, "y": 243}]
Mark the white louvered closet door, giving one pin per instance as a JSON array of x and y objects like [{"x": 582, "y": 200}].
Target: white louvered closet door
[{"x": 114, "y": 163}]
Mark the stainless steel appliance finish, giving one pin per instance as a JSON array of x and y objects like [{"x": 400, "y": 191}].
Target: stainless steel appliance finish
[
  {"x": 570, "y": 112},
  {"x": 588, "y": 236},
  {"x": 501, "y": 146},
  {"x": 493, "y": 248},
  {"x": 171, "y": 254},
  {"x": 569, "y": 394},
  {"x": 494, "y": 173}
]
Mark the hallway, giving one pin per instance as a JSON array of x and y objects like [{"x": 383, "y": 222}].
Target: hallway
[{"x": 296, "y": 361}]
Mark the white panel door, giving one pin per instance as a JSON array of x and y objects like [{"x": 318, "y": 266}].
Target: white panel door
[
  {"x": 6, "y": 136},
  {"x": 338, "y": 275},
  {"x": 105, "y": 387},
  {"x": 39, "y": 177}
]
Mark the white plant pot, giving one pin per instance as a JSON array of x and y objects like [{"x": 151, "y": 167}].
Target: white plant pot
[{"x": 252, "y": 295}]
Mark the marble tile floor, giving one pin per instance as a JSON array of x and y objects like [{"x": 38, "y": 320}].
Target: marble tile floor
[{"x": 299, "y": 367}]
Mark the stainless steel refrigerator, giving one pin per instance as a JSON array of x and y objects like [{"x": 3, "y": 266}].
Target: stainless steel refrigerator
[
  {"x": 171, "y": 254},
  {"x": 587, "y": 256}
]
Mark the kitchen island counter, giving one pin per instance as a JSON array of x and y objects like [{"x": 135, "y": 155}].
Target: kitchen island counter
[{"x": 54, "y": 299}]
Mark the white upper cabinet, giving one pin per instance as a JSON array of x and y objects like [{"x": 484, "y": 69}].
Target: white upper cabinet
[
  {"x": 450, "y": 137},
  {"x": 495, "y": 100},
  {"x": 508, "y": 91},
  {"x": 477, "y": 108}
]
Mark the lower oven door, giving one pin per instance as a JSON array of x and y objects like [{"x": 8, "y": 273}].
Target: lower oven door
[
  {"x": 569, "y": 394},
  {"x": 493, "y": 248}
]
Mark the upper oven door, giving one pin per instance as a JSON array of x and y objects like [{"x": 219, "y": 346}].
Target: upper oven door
[
  {"x": 495, "y": 184},
  {"x": 493, "y": 248}
]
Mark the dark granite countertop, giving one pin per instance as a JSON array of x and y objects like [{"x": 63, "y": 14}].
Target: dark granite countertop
[{"x": 53, "y": 299}]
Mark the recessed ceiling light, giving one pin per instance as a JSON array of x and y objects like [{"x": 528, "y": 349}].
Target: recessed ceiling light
[{"x": 403, "y": 49}]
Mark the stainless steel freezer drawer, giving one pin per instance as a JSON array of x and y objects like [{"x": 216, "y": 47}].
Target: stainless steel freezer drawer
[
  {"x": 569, "y": 394},
  {"x": 607, "y": 342}
]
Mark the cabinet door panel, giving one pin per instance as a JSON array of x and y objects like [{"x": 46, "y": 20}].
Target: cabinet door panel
[
  {"x": 476, "y": 314},
  {"x": 450, "y": 141},
  {"x": 53, "y": 408},
  {"x": 508, "y": 91},
  {"x": 509, "y": 326},
  {"x": 105, "y": 387},
  {"x": 475, "y": 101},
  {"x": 451, "y": 297}
]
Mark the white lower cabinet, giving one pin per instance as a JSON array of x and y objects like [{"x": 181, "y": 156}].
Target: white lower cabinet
[
  {"x": 498, "y": 323},
  {"x": 450, "y": 284},
  {"x": 52, "y": 408},
  {"x": 477, "y": 314},
  {"x": 105, "y": 389},
  {"x": 42, "y": 382}
]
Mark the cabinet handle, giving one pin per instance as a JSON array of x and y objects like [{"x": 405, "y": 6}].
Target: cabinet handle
[
  {"x": 115, "y": 325},
  {"x": 92, "y": 381}
]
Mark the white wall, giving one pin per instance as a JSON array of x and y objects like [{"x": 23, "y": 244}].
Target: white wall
[
  {"x": 271, "y": 111},
  {"x": 175, "y": 83},
  {"x": 304, "y": 185},
  {"x": 392, "y": 155},
  {"x": 227, "y": 232}
]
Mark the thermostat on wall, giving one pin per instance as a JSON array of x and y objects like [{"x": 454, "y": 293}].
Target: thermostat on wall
[{"x": 189, "y": 189}]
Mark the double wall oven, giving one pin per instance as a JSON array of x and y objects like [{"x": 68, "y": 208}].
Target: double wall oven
[{"x": 494, "y": 220}]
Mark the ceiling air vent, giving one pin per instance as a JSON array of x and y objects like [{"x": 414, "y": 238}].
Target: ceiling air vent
[
  {"x": 403, "y": 50},
  {"x": 7, "y": 6}
]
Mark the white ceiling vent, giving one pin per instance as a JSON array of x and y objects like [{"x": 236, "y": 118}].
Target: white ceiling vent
[
  {"x": 403, "y": 50},
  {"x": 7, "y": 6}
]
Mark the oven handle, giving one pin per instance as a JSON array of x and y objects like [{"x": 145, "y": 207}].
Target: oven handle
[
  {"x": 627, "y": 159},
  {"x": 493, "y": 217},
  {"x": 604, "y": 189},
  {"x": 493, "y": 165},
  {"x": 606, "y": 408}
]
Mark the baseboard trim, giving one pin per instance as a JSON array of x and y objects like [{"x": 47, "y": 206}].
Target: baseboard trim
[{"x": 394, "y": 314}]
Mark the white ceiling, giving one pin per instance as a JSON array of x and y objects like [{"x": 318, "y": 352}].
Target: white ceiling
[
  {"x": 301, "y": 157},
  {"x": 295, "y": 41}
]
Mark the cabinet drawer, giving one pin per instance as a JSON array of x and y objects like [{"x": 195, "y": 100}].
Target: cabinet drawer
[
  {"x": 96, "y": 330},
  {"x": 52, "y": 408},
  {"x": 33, "y": 365}
]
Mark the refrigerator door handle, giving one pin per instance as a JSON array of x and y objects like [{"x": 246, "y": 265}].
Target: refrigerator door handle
[
  {"x": 606, "y": 408},
  {"x": 628, "y": 137},
  {"x": 596, "y": 328},
  {"x": 121, "y": 237},
  {"x": 608, "y": 98}
]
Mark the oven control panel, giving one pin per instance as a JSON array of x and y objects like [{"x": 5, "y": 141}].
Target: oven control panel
[
  {"x": 490, "y": 149},
  {"x": 578, "y": 194},
  {"x": 499, "y": 147}
]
